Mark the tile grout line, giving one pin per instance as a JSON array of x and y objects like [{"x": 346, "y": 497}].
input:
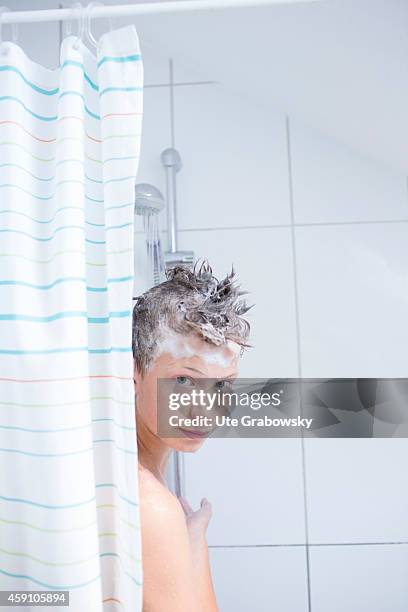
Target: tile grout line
[
  {"x": 278, "y": 226},
  {"x": 288, "y": 225},
  {"x": 171, "y": 90},
  {"x": 298, "y": 346},
  {"x": 186, "y": 84},
  {"x": 301, "y": 545}
]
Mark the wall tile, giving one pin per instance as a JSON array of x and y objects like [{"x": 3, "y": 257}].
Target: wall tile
[
  {"x": 155, "y": 64},
  {"x": 363, "y": 578},
  {"x": 156, "y": 136},
  {"x": 260, "y": 579},
  {"x": 30, "y": 36},
  {"x": 357, "y": 490},
  {"x": 331, "y": 183},
  {"x": 234, "y": 160},
  {"x": 189, "y": 70},
  {"x": 353, "y": 300},
  {"x": 254, "y": 486}
]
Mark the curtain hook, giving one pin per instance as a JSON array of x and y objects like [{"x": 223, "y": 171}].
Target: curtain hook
[
  {"x": 67, "y": 25},
  {"x": 79, "y": 8},
  {"x": 89, "y": 33},
  {"x": 3, "y": 48}
]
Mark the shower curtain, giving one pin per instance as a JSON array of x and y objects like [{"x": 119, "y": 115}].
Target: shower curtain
[{"x": 69, "y": 150}]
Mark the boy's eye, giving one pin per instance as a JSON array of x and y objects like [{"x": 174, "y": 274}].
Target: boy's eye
[
  {"x": 223, "y": 384},
  {"x": 184, "y": 380}
]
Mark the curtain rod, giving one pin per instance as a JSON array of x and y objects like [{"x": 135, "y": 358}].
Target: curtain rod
[{"x": 125, "y": 10}]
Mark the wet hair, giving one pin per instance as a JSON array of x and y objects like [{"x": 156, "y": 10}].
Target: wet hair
[{"x": 189, "y": 302}]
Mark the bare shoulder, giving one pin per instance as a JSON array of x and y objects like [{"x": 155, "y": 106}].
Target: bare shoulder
[
  {"x": 162, "y": 518},
  {"x": 156, "y": 499},
  {"x": 167, "y": 568}
]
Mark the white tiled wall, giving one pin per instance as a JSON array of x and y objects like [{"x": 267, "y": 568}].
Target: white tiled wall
[
  {"x": 213, "y": 127},
  {"x": 255, "y": 490},
  {"x": 40, "y": 41},
  {"x": 334, "y": 184},
  {"x": 357, "y": 490},
  {"x": 260, "y": 579},
  {"x": 353, "y": 299},
  {"x": 156, "y": 135},
  {"x": 331, "y": 299},
  {"x": 359, "y": 578}
]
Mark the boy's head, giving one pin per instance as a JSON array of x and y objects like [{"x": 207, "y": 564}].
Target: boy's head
[{"x": 188, "y": 327}]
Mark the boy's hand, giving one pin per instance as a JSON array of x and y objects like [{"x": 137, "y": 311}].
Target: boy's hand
[{"x": 197, "y": 520}]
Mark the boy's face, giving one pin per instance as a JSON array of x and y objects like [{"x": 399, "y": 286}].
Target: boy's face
[{"x": 186, "y": 360}]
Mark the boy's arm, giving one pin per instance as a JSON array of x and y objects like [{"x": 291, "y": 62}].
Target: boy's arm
[
  {"x": 197, "y": 522},
  {"x": 168, "y": 579}
]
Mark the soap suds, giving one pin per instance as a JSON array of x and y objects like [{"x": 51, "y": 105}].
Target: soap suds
[{"x": 180, "y": 347}]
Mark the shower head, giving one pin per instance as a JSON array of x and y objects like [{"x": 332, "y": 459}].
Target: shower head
[
  {"x": 148, "y": 204},
  {"x": 148, "y": 199}
]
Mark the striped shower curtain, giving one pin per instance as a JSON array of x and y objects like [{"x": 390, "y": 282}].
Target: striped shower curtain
[{"x": 69, "y": 151}]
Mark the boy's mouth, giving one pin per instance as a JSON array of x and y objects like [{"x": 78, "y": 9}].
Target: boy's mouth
[{"x": 194, "y": 433}]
